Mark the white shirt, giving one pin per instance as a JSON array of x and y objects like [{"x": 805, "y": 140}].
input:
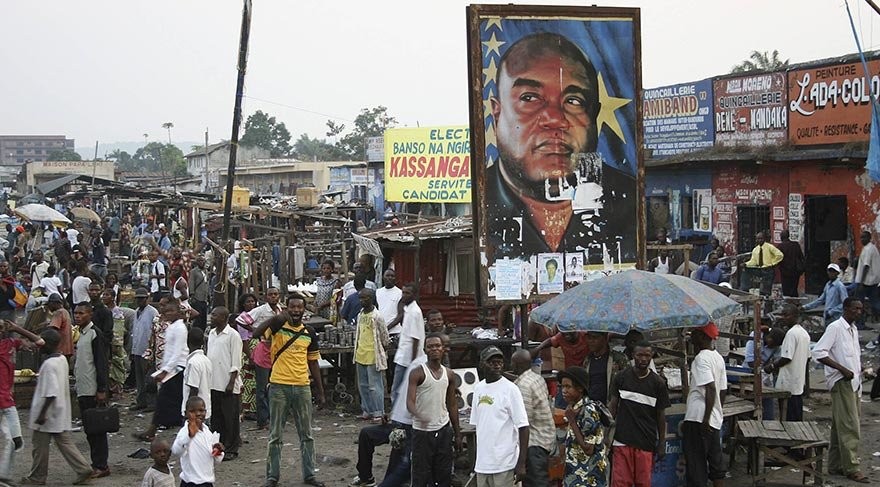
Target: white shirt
[
  {"x": 224, "y": 352},
  {"x": 197, "y": 374},
  {"x": 158, "y": 269},
  {"x": 39, "y": 271},
  {"x": 72, "y": 235},
  {"x": 387, "y": 300},
  {"x": 53, "y": 382},
  {"x": 80, "y": 289},
  {"x": 707, "y": 367},
  {"x": 413, "y": 330},
  {"x": 795, "y": 347},
  {"x": 51, "y": 285},
  {"x": 176, "y": 349},
  {"x": 196, "y": 461},
  {"x": 262, "y": 313},
  {"x": 399, "y": 411},
  {"x": 498, "y": 413},
  {"x": 840, "y": 342},
  {"x": 348, "y": 288},
  {"x": 871, "y": 257}
]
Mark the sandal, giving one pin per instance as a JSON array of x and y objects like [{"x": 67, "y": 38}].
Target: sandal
[
  {"x": 143, "y": 437},
  {"x": 315, "y": 482},
  {"x": 859, "y": 477}
]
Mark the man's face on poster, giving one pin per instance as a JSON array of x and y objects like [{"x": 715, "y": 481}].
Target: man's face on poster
[{"x": 544, "y": 114}]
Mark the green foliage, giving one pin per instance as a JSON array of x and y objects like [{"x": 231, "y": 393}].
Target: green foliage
[
  {"x": 761, "y": 61},
  {"x": 158, "y": 157},
  {"x": 371, "y": 122},
  {"x": 309, "y": 149},
  {"x": 123, "y": 160},
  {"x": 64, "y": 155},
  {"x": 261, "y": 130}
]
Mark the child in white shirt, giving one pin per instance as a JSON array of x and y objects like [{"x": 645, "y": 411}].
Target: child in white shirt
[
  {"x": 159, "y": 475},
  {"x": 197, "y": 447}
]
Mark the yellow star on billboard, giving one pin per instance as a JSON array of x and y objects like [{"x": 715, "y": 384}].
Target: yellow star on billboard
[
  {"x": 493, "y": 44},
  {"x": 496, "y": 21},
  {"x": 610, "y": 105},
  {"x": 490, "y": 71}
]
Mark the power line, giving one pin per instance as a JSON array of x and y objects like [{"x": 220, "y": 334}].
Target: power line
[{"x": 334, "y": 117}]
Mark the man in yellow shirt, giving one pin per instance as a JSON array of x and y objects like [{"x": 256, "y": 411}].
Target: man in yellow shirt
[
  {"x": 762, "y": 264},
  {"x": 295, "y": 353}
]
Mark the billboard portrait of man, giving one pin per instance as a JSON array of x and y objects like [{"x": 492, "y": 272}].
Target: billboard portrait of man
[{"x": 561, "y": 149}]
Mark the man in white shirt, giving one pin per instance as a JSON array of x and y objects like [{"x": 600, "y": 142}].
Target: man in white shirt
[
  {"x": 791, "y": 365},
  {"x": 868, "y": 273},
  {"x": 157, "y": 276},
  {"x": 502, "y": 425},
  {"x": 224, "y": 352},
  {"x": 169, "y": 375},
  {"x": 839, "y": 351},
  {"x": 38, "y": 268},
  {"x": 387, "y": 297},
  {"x": 412, "y": 337},
  {"x": 197, "y": 374},
  {"x": 701, "y": 428},
  {"x": 359, "y": 270}
]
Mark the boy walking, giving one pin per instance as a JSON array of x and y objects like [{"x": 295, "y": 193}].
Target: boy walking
[
  {"x": 50, "y": 416},
  {"x": 638, "y": 402}
]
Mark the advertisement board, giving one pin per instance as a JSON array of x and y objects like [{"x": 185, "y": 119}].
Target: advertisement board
[
  {"x": 556, "y": 135},
  {"x": 428, "y": 165},
  {"x": 831, "y": 104},
  {"x": 375, "y": 149},
  {"x": 751, "y": 110},
  {"x": 678, "y": 118}
]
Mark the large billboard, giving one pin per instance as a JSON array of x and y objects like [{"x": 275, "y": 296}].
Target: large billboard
[
  {"x": 831, "y": 104},
  {"x": 678, "y": 118},
  {"x": 556, "y": 143},
  {"x": 751, "y": 110},
  {"x": 428, "y": 165}
]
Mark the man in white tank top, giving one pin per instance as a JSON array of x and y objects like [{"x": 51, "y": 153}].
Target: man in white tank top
[{"x": 431, "y": 400}]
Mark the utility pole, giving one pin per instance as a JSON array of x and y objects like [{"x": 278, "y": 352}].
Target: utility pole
[
  {"x": 94, "y": 165},
  {"x": 236, "y": 114},
  {"x": 205, "y": 171}
]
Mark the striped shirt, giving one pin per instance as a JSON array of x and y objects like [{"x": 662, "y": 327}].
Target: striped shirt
[
  {"x": 542, "y": 431},
  {"x": 638, "y": 402}
]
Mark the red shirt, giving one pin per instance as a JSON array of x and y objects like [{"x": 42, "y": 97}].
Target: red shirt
[
  {"x": 8, "y": 347},
  {"x": 576, "y": 352}
]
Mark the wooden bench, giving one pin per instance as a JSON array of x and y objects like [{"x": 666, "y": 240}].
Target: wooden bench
[{"x": 777, "y": 440}]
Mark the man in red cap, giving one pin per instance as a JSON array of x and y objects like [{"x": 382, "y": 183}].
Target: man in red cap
[{"x": 701, "y": 428}]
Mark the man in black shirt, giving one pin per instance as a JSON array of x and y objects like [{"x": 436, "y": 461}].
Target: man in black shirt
[
  {"x": 602, "y": 365},
  {"x": 102, "y": 317},
  {"x": 638, "y": 402}
]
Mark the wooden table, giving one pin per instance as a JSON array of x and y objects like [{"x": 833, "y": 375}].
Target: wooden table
[
  {"x": 778, "y": 439},
  {"x": 747, "y": 389}
]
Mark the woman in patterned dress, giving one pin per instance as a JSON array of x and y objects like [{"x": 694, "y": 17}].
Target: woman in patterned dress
[
  {"x": 244, "y": 323},
  {"x": 586, "y": 461},
  {"x": 325, "y": 285}
]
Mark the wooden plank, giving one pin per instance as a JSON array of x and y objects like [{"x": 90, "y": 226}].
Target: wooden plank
[{"x": 748, "y": 428}]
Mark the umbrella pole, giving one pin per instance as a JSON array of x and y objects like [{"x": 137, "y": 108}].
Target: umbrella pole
[
  {"x": 758, "y": 305},
  {"x": 685, "y": 380}
]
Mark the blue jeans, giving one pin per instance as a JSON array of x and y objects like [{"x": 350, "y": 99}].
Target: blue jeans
[
  {"x": 262, "y": 377},
  {"x": 371, "y": 386},
  {"x": 399, "y": 374},
  {"x": 283, "y": 399},
  {"x": 11, "y": 429}
]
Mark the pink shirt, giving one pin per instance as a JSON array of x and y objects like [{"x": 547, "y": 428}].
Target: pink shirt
[{"x": 261, "y": 356}]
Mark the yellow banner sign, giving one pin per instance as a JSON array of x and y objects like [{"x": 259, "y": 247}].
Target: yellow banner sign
[{"x": 428, "y": 165}]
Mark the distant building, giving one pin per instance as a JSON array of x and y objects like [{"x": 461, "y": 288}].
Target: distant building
[
  {"x": 208, "y": 168},
  {"x": 284, "y": 176},
  {"x": 38, "y": 172},
  {"x": 18, "y": 149}
]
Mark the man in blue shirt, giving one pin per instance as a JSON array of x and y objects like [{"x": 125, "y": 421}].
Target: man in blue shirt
[
  {"x": 832, "y": 296},
  {"x": 710, "y": 272}
]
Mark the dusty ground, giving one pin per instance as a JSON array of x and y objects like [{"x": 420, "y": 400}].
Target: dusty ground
[{"x": 337, "y": 449}]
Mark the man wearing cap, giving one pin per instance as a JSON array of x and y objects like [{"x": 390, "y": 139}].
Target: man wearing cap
[
  {"x": 140, "y": 337},
  {"x": 832, "y": 296},
  {"x": 762, "y": 264},
  {"x": 60, "y": 320},
  {"x": 839, "y": 351},
  {"x": 701, "y": 428},
  {"x": 502, "y": 425}
]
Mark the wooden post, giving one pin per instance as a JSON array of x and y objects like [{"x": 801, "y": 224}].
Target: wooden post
[
  {"x": 758, "y": 305},
  {"x": 685, "y": 386},
  {"x": 282, "y": 266},
  {"x": 418, "y": 245},
  {"x": 524, "y": 326}
]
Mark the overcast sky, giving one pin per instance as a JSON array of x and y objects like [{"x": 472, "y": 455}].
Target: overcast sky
[{"x": 113, "y": 70}]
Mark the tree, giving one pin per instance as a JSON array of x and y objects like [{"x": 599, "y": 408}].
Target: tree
[
  {"x": 168, "y": 126},
  {"x": 124, "y": 160},
  {"x": 159, "y": 157},
  {"x": 371, "y": 122},
  {"x": 264, "y": 131},
  {"x": 309, "y": 149},
  {"x": 761, "y": 61},
  {"x": 64, "y": 155}
]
